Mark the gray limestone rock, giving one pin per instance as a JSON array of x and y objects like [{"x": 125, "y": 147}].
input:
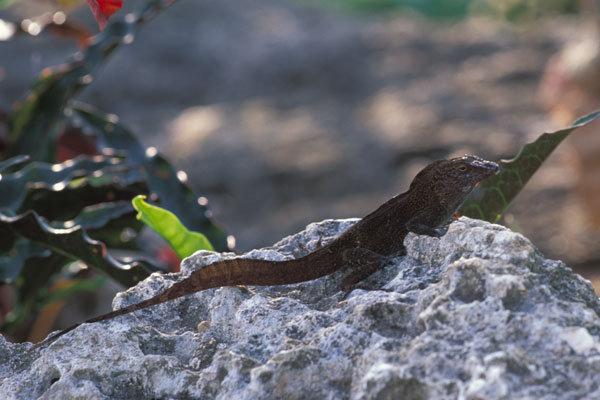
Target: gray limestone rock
[{"x": 476, "y": 314}]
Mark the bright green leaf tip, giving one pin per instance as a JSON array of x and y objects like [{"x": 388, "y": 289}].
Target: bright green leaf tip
[{"x": 168, "y": 226}]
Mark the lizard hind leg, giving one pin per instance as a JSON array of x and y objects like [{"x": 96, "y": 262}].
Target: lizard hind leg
[{"x": 363, "y": 263}]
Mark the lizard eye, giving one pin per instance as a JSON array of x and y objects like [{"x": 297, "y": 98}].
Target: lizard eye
[{"x": 462, "y": 168}]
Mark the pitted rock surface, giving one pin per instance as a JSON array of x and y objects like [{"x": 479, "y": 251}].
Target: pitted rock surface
[{"x": 476, "y": 314}]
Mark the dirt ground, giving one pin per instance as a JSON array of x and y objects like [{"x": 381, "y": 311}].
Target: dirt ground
[{"x": 283, "y": 114}]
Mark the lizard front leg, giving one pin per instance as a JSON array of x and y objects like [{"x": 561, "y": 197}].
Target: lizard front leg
[{"x": 422, "y": 224}]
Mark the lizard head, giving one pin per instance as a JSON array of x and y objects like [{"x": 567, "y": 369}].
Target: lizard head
[
  {"x": 467, "y": 171},
  {"x": 455, "y": 177}
]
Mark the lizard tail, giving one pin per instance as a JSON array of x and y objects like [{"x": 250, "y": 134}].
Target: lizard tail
[
  {"x": 237, "y": 271},
  {"x": 246, "y": 271},
  {"x": 125, "y": 310}
]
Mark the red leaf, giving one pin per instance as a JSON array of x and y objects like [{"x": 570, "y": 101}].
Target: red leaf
[{"x": 103, "y": 9}]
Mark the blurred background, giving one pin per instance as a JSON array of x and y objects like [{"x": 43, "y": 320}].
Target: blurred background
[{"x": 286, "y": 112}]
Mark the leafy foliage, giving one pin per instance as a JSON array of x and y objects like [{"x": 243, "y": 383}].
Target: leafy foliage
[
  {"x": 73, "y": 243},
  {"x": 490, "y": 200},
  {"x": 159, "y": 175},
  {"x": 166, "y": 224},
  {"x": 60, "y": 219}
]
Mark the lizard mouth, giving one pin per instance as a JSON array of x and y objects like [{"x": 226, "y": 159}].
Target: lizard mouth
[{"x": 492, "y": 169}]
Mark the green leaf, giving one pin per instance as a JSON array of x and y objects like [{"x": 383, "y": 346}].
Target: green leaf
[
  {"x": 161, "y": 177},
  {"x": 48, "y": 188},
  {"x": 166, "y": 224},
  {"x": 94, "y": 217},
  {"x": 97, "y": 215},
  {"x": 11, "y": 162},
  {"x": 12, "y": 264},
  {"x": 112, "y": 223},
  {"x": 75, "y": 244},
  {"x": 490, "y": 200}
]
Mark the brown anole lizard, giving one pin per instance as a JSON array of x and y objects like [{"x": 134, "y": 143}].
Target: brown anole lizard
[{"x": 432, "y": 199}]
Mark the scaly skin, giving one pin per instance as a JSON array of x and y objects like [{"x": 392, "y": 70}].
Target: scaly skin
[{"x": 432, "y": 199}]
